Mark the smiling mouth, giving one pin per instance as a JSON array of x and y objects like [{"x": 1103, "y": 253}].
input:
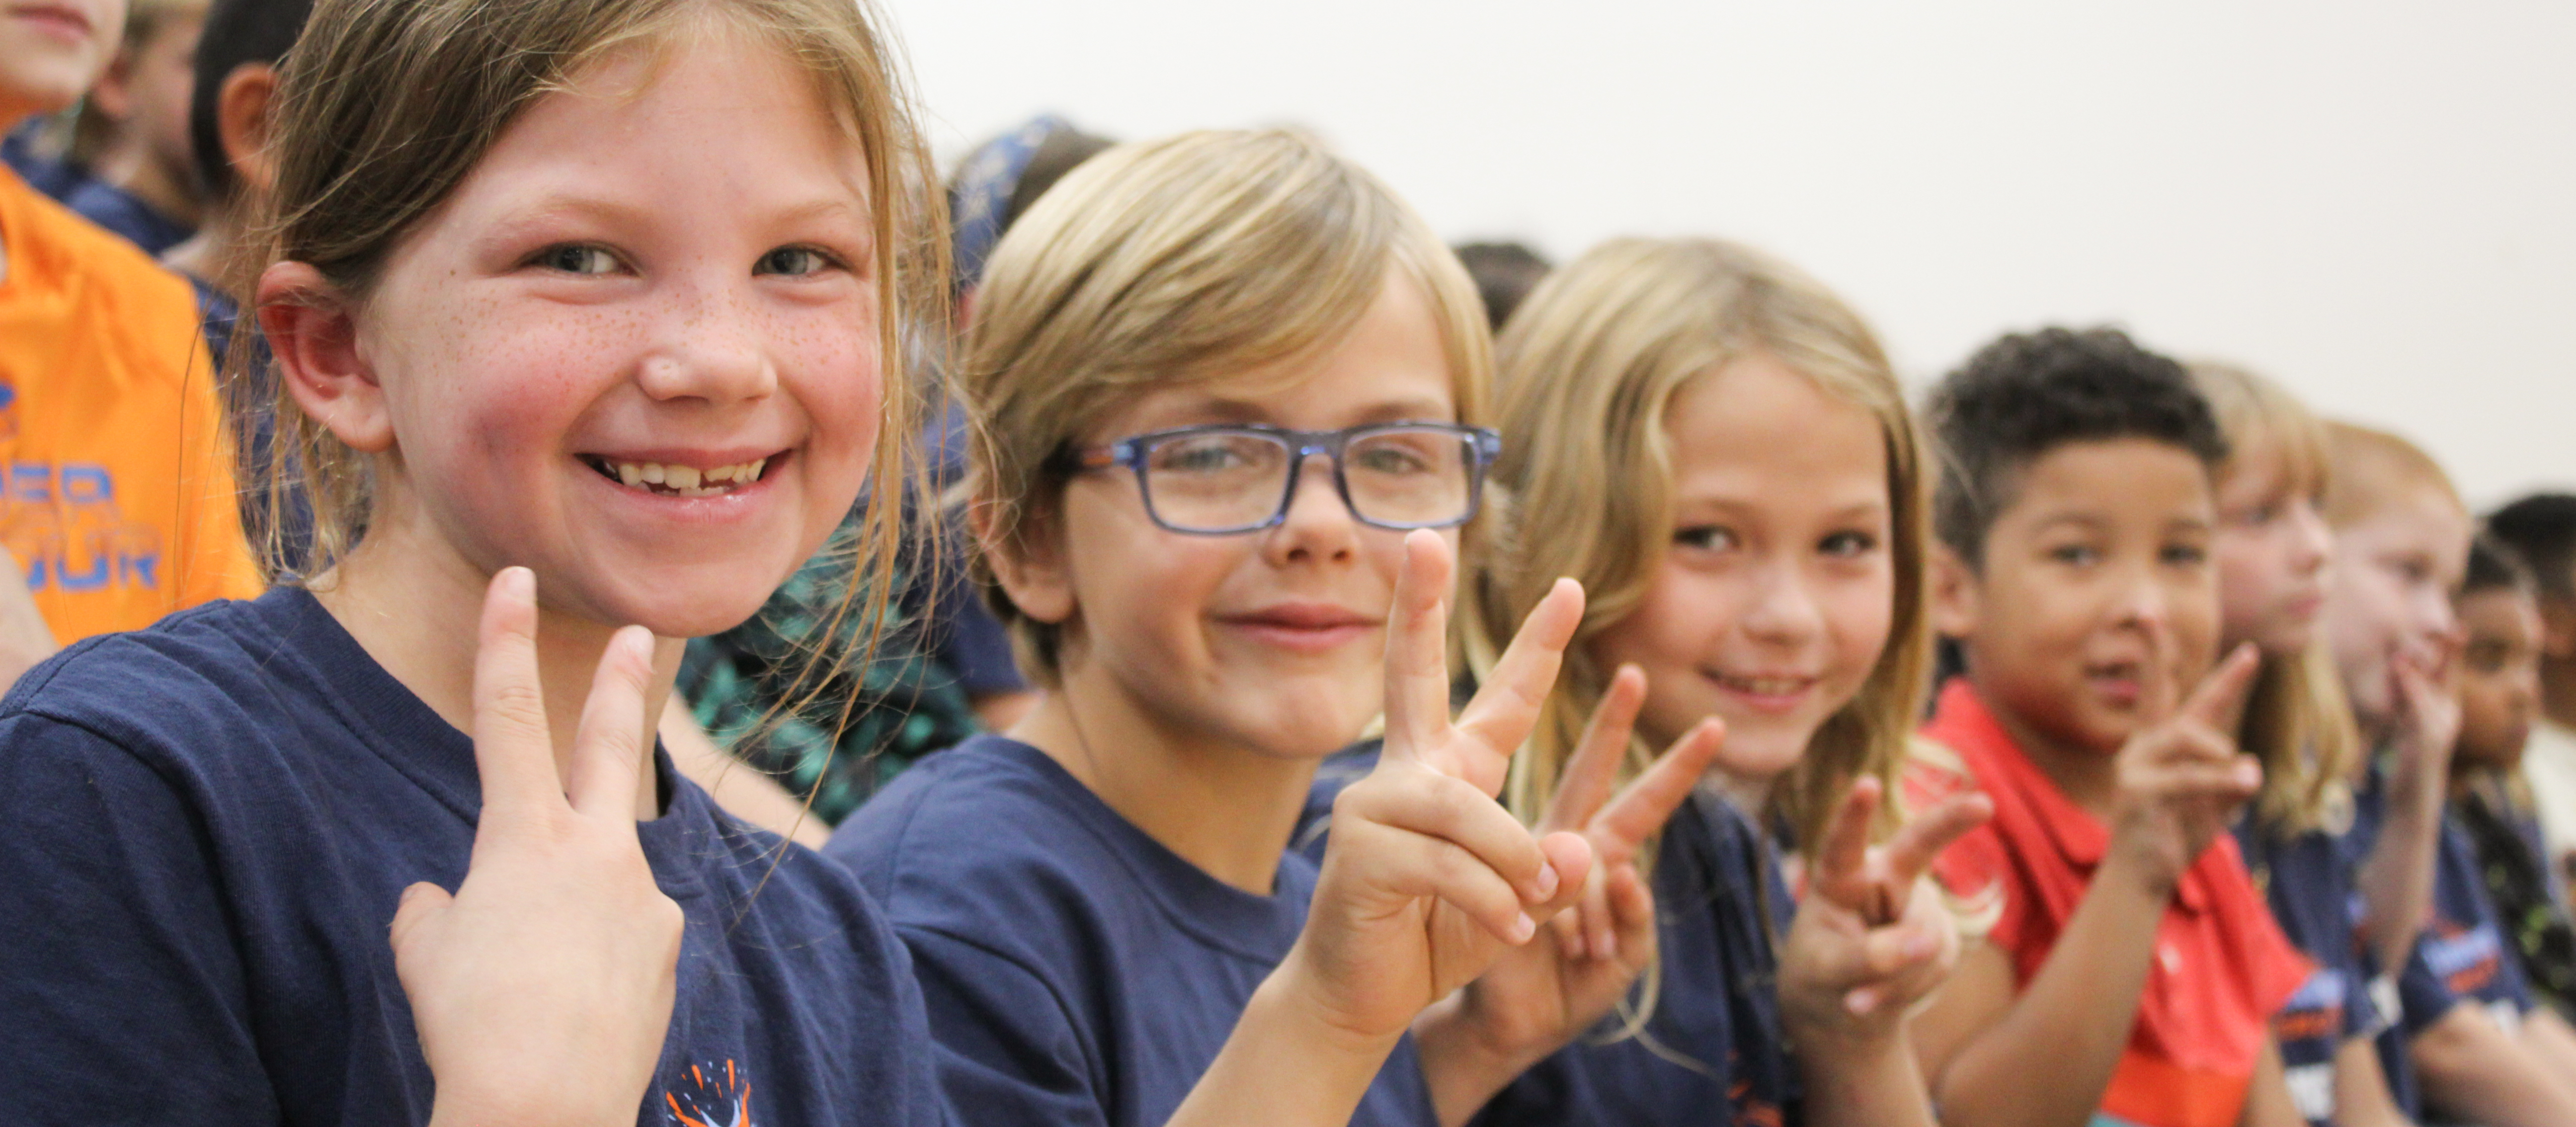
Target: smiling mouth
[
  {"x": 667, "y": 480},
  {"x": 1766, "y": 687}
]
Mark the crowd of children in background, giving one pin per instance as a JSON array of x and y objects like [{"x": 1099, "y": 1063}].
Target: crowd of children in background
[{"x": 511, "y": 624}]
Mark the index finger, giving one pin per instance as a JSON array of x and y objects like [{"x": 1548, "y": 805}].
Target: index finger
[
  {"x": 1417, "y": 656},
  {"x": 1842, "y": 856},
  {"x": 1649, "y": 802},
  {"x": 1507, "y": 704},
  {"x": 1595, "y": 767},
  {"x": 2220, "y": 699},
  {"x": 2157, "y": 689},
  {"x": 513, "y": 745},
  {"x": 1924, "y": 836}
]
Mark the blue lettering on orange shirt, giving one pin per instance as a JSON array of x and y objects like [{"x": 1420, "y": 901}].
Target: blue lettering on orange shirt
[{"x": 63, "y": 525}]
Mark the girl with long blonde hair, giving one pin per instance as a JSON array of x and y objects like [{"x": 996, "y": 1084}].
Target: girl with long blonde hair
[{"x": 1714, "y": 445}]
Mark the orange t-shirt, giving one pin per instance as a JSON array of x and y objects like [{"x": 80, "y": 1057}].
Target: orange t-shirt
[
  {"x": 2222, "y": 968},
  {"x": 116, "y": 495}
]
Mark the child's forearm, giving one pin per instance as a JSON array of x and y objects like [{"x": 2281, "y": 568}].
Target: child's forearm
[
  {"x": 1462, "y": 1070},
  {"x": 1285, "y": 1065},
  {"x": 2550, "y": 1040},
  {"x": 2396, "y": 879},
  {"x": 2361, "y": 1091},
  {"x": 2072, "y": 1022},
  {"x": 1872, "y": 1085},
  {"x": 2476, "y": 1073}
]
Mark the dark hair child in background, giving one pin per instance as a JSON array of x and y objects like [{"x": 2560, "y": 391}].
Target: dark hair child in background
[
  {"x": 2132, "y": 963},
  {"x": 2499, "y": 697},
  {"x": 2541, "y": 528}
]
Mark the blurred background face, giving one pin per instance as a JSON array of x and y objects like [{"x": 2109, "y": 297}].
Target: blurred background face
[
  {"x": 2499, "y": 676},
  {"x": 2272, "y": 546},
  {"x": 2389, "y": 592},
  {"x": 51, "y": 51},
  {"x": 2096, "y": 578}
]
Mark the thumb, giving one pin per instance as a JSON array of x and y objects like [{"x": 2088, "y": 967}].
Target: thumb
[{"x": 420, "y": 903}]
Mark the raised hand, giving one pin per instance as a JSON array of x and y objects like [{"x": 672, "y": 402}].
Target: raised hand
[
  {"x": 2428, "y": 714},
  {"x": 1872, "y": 936},
  {"x": 2181, "y": 777},
  {"x": 1543, "y": 994},
  {"x": 1427, "y": 877},
  {"x": 542, "y": 988}
]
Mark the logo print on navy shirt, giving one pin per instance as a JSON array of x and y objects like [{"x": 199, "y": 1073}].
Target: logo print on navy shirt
[{"x": 714, "y": 1096}]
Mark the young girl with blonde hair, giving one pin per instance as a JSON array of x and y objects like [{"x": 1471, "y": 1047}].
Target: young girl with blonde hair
[
  {"x": 2272, "y": 548},
  {"x": 1228, "y": 397},
  {"x": 1715, "y": 446},
  {"x": 536, "y": 381}
]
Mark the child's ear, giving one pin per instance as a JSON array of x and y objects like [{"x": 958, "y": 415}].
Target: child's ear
[
  {"x": 243, "y": 121},
  {"x": 1955, "y": 602},
  {"x": 314, "y": 334},
  {"x": 2558, "y": 629},
  {"x": 1029, "y": 567}
]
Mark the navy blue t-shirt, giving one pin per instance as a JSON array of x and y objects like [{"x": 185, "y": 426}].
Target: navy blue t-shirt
[
  {"x": 1077, "y": 971},
  {"x": 126, "y": 214},
  {"x": 2308, "y": 881},
  {"x": 210, "y": 824},
  {"x": 2462, "y": 955},
  {"x": 1713, "y": 1051}
]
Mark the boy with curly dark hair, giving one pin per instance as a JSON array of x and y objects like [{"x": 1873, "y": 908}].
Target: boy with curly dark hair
[{"x": 2131, "y": 962}]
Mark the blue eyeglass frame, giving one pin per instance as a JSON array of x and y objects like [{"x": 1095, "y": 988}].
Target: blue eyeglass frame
[{"x": 1484, "y": 444}]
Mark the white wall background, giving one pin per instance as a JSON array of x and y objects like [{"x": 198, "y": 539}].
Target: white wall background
[{"x": 2374, "y": 202}]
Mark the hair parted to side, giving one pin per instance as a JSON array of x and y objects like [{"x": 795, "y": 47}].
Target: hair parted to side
[
  {"x": 2297, "y": 721},
  {"x": 1185, "y": 260},
  {"x": 2027, "y": 394},
  {"x": 2373, "y": 468},
  {"x": 385, "y": 106},
  {"x": 1588, "y": 368}
]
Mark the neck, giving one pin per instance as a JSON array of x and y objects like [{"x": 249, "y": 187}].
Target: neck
[
  {"x": 2558, "y": 690},
  {"x": 413, "y": 604},
  {"x": 134, "y": 170},
  {"x": 2087, "y": 776},
  {"x": 212, "y": 253},
  {"x": 1228, "y": 809}
]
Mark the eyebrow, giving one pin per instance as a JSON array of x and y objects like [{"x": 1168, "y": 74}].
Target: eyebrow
[{"x": 1415, "y": 409}]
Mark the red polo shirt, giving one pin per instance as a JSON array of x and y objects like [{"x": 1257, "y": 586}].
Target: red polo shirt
[{"x": 2222, "y": 966}]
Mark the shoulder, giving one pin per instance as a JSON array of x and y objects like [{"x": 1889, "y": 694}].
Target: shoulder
[
  {"x": 96, "y": 262},
  {"x": 989, "y": 833},
  {"x": 161, "y": 684}
]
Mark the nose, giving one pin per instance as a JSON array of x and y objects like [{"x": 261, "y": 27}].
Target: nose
[
  {"x": 714, "y": 347},
  {"x": 1784, "y": 610},
  {"x": 2312, "y": 540},
  {"x": 1319, "y": 526}
]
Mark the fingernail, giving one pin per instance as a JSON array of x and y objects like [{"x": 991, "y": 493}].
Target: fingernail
[
  {"x": 1609, "y": 947},
  {"x": 1920, "y": 946},
  {"x": 518, "y": 582},
  {"x": 1861, "y": 1001},
  {"x": 1575, "y": 946},
  {"x": 2249, "y": 774},
  {"x": 1523, "y": 928},
  {"x": 1547, "y": 881}
]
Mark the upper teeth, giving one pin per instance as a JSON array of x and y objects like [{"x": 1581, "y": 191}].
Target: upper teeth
[
  {"x": 1769, "y": 686},
  {"x": 688, "y": 478}
]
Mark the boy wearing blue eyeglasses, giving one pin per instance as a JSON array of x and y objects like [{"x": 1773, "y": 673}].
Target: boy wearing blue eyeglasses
[{"x": 1226, "y": 393}]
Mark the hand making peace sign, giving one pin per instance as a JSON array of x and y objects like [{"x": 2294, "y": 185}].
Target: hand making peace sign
[{"x": 542, "y": 988}]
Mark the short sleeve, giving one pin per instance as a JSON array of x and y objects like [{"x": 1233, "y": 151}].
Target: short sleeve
[
  {"x": 2421, "y": 994},
  {"x": 1008, "y": 1052},
  {"x": 125, "y": 997}
]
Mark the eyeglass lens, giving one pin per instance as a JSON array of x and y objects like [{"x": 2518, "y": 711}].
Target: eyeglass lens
[{"x": 1224, "y": 481}]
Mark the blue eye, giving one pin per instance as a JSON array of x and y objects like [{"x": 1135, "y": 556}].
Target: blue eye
[
  {"x": 577, "y": 258},
  {"x": 794, "y": 262}
]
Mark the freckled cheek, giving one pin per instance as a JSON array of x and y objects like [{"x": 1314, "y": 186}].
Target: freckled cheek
[{"x": 839, "y": 378}]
